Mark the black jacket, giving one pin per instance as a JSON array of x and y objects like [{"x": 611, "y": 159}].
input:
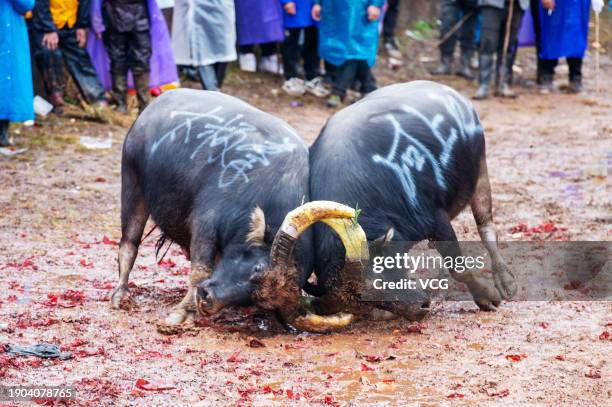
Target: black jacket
[{"x": 126, "y": 15}]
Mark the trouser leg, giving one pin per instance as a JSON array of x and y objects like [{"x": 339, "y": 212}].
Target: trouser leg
[
  {"x": 575, "y": 68},
  {"x": 345, "y": 76},
  {"x": 467, "y": 39},
  {"x": 449, "y": 17},
  {"x": 268, "y": 48},
  {"x": 390, "y": 20},
  {"x": 310, "y": 53},
  {"x": 515, "y": 25},
  {"x": 489, "y": 39},
  {"x": 220, "y": 71},
  {"x": 49, "y": 64},
  {"x": 366, "y": 78},
  {"x": 291, "y": 52},
  {"x": 535, "y": 13},
  {"x": 116, "y": 44},
  {"x": 80, "y": 67},
  {"x": 208, "y": 77},
  {"x": 140, "y": 55},
  {"x": 4, "y": 135}
]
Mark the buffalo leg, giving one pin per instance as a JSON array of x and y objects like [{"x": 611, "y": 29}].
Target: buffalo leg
[
  {"x": 482, "y": 289},
  {"x": 202, "y": 252},
  {"x": 483, "y": 214},
  {"x": 134, "y": 215}
]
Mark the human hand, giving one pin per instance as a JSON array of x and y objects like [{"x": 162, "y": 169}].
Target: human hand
[
  {"x": 548, "y": 4},
  {"x": 50, "y": 40},
  {"x": 81, "y": 36},
  {"x": 373, "y": 13},
  {"x": 316, "y": 12},
  {"x": 290, "y": 8}
]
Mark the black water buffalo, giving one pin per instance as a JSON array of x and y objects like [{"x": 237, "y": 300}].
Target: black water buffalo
[
  {"x": 411, "y": 157},
  {"x": 218, "y": 177}
]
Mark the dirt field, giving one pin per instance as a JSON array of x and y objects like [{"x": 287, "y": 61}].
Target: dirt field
[{"x": 59, "y": 222}]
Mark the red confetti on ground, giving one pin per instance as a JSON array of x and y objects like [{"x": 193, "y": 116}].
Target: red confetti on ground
[
  {"x": 235, "y": 358},
  {"x": 144, "y": 384},
  {"x": 166, "y": 263},
  {"x": 521, "y": 227},
  {"x": 329, "y": 400},
  {"x": 593, "y": 374},
  {"x": 605, "y": 335},
  {"x": 545, "y": 325},
  {"x": 183, "y": 271},
  {"x": 68, "y": 299},
  {"x": 560, "y": 357},
  {"x": 87, "y": 265},
  {"x": 366, "y": 368},
  {"x": 516, "y": 358},
  {"x": 455, "y": 396},
  {"x": 107, "y": 241},
  {"x": 415, "y": 328},
  {"x": 26, "y": 264},
  {"x": 267, "y": 389}
]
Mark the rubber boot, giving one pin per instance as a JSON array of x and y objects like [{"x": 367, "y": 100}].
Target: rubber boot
[
  {"x": 575, "y": 84},
  {"x": 445, "y": 67},
  {"x": 504, "y": 90},
  {"x": 546, "y": 84},
  {"x": 5, "y": 140},
  {"x": 119, "y": 92},
  {"x": 485, "y": 71},
  {"x": 141, "y": 83},
  {"x": 464, "y": 65}
]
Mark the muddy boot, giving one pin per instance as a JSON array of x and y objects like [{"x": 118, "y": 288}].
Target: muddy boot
[
  {"x": 5, "y": 140},
  {"x": 575, "y": 85},
  {"x": 119, "y": 92},
  {"x": 445, "y": 67},
  {"x": 505, "y": 91},
  {"x": 464, "y": 66},
  {"x": 141, "y": 83},
  {"x": 485, "y": 64},
  {"x": 546, "y": 84}
]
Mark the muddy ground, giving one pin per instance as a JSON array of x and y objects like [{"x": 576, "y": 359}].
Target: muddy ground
[{"x": 59, "y": 222}]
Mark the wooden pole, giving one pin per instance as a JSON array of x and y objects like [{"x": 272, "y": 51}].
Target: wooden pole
[
  {"x": 506, "y": 43},
  {"x": 597, "y": 49}
]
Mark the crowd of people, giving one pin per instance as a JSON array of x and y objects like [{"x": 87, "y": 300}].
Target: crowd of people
[{"x": 327, "y": 46}]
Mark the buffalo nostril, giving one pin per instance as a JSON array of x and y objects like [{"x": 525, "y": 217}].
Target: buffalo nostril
[
  {"x": 203, "y": 294},
  {"x": 425, "y": 305}
]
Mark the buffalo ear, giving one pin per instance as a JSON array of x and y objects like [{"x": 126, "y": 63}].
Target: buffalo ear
[
  {"x": 257, "y": 229},
  {"x": 386, "y": 238},
  {"x": 379, "y": 243}
]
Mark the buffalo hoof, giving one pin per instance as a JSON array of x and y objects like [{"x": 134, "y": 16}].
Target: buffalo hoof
[
  {"x": 485, "y": 293},
  {"x": 120, "y": 299},
  {"x": 504, "y": 281},
  {"x": 176, "y": 317},
  {"x": 176, "y": 322}
]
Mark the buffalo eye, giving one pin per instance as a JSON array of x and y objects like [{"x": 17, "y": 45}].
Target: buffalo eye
[{"x": 259, "y": 268}]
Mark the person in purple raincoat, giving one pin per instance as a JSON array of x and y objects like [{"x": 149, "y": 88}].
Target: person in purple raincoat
[
  {"x": 298, "y": 22},
  {"x": 130, "y": 35},
  {"x": 259, "y": 22}
]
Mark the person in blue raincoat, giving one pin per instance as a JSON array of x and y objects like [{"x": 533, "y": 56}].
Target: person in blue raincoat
[
  {"x": 348, "y": 40},
  {"x": 564, "y": 28},
  {"x": 298, "y": 23},
  {"x": 17, "y": 101}
]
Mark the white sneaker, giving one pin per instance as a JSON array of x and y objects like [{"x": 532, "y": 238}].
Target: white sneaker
[
  {"x": 270, "y": 64},
  {"x": 294, "y": 87},
  {"x": 315, "y": 87},
  {"x": 247, "y": 62}
]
